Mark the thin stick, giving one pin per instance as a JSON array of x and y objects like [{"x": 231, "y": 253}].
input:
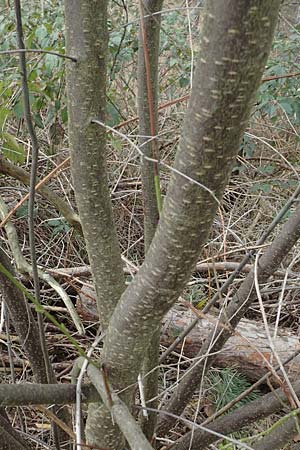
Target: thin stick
[
  {"x": 33, "y": 175},
  {"x": 36, "y": 50}
]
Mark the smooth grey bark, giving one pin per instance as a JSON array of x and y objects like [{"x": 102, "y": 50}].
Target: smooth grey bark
[
  {"x": 27, "y": 394},
  {"x": 234, "y": 47},
  {"x": 239, "y": 304},
  {"x": 235, "y": 43},
  {"x": 149, "y": 34},
  {"x": 86, "y": 40},
  {"x": 23, "y": 321},
  {"x": 118, "y": 409}
]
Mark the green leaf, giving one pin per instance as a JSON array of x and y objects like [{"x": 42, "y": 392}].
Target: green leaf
[
  {"x": 41, "y": 33},
  {"x": 57, "y": 105},
  {"x": 22, "y": 211},
  {"x": 11, "y": 149},
  {"x": 267, "y": 169},
  {"x": 226, "y": 385},
  {"x": 38, "y": 120},
  {"x": 54, "y": 222},
  {"x": 50, "y": 115},
  {"x": 113, "y": 116},
  {"x": 64, "y": 114},
  {"x": 50, "y": 64},
  {"x": 183, "y": 82},
  {"x": 116, "y": 143},
  {"x": 58, "y": 225},
  {"x": 4, "y": 112},
  {"x": 264, "y": 187},
  {"x": 19, "y": 109},
  {"x": 287, "y": 105}
]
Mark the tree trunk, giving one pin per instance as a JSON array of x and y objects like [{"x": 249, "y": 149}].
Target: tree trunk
[
  {"x": 248, "y": 349},
  {"x": 86, "y": 40},
  {"x": 235, "y": 43},
  {"x": 148, "y": 119}
]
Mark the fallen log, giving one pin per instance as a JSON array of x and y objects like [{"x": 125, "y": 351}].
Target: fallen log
[{"x": 248, "y": 350}]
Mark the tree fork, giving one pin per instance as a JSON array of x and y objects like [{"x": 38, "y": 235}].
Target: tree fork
[{"x": 224, "y": 84}]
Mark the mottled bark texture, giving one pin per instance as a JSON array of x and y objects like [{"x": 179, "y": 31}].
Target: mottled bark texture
[
  {"x": 239, "y": 304},
  {"x": 23, "y": 321},
  {"x": 86, "y": 40},
  {"x": 27, "y": 394},
  {"x": 148, "y": 120},
  {"x": 235, "y": 43},
  {"x": 234, "y": 47}
]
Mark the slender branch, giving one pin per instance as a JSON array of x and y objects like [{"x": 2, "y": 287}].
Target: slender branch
[
  {"x": 36, "y": 50},
  {"x": 29, "y": 394},
  {"x": 280, "y": 433},
  {"x": 7, "y": 168},
  {"x": 22, "y": 319},
  {"x": 148, "y": 86},
  {"x": 216, "y": 434},
  {"x": 10, "y": 438},
  {"x": 248, "y": 391},
  {"x": 117, "y": 408},
  {"x": 39, "y": 308},
  {"x": 48, "y": 413},
  {"x": 173, "y": 169},
  {"x": 33, "y": 174},
  {"x": 25, "y": 268},
  {"x": 148, "y": 89}
]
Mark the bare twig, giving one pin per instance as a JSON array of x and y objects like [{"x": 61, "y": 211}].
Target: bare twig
[
  {"x": 25, "y": 268},
  {"x": 21, "y": 174},
  {"x": 35, "y": 50},
  {"x": 35, "y": 150}
]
